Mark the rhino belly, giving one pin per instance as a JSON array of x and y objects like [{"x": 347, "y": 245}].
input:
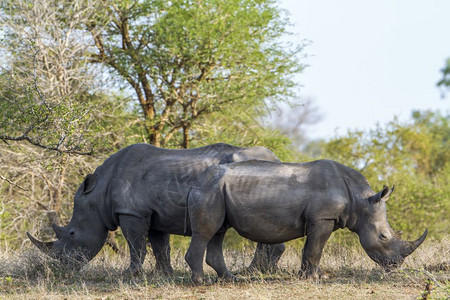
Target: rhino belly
[
  {"x": 169, "y": 218},
  {"x": 266, "y": 226}
]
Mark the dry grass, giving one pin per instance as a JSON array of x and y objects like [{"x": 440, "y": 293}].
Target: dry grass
[{"x": 351, "y": 275}]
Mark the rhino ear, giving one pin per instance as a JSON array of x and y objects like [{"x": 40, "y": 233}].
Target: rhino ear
[
  {"x": 386, "y": 196},
  {"x": 89, "y": 183},
  {"x": 383, "y": 195}
]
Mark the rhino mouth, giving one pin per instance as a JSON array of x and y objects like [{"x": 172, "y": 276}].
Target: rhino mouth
[
  {"x": 70, "y": 259},
  {"x": 73, "y": 259},
  {"x": 72, "y": 263},
  {"x": 388, "y": 264}
]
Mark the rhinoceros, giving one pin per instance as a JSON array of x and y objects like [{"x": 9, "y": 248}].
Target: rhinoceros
[
  {"x": 143, "y": 189},
  {"x": 270, "y": 202}
]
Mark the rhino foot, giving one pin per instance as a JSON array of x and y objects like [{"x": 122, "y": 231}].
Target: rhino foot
[
  {"x": 266, "y": 258},
  {"x": 197, "y": 280},
  {"x": 132, "y": 272},
  {"x": 254, "y": 268},
  {"x": 312, "y": 275},
  {"x": 229, "y": 278},
  {"x": 163, "y": 271}
]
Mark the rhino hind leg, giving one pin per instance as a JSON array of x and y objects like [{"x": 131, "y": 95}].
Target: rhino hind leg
[
  {"x": 214, "y": 256},
  {"x": 194, "y": 257},
  {"x": 266, "y": 257},
  {"x": 135, "y": 231},
  {"x": 161, "y": 249},
  {"x": 207, "y": 216},
  {"x": 199, "y": 242}
]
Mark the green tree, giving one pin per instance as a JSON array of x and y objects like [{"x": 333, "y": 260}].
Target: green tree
[
  {"x": 50, "y": 100},
  {"x": 185, "y": 60},
  {"x": 414, "y": 156}
]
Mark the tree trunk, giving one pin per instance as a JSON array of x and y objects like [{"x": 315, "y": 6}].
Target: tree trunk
[
  {"x": 186, "y": 140},
  {"x": 155, "y": 139}
]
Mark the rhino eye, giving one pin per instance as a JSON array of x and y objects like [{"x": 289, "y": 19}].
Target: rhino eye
[{"x": 383, "y": 237}]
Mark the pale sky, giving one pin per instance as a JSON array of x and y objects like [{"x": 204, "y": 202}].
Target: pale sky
[{"x": 371, "y": 60}]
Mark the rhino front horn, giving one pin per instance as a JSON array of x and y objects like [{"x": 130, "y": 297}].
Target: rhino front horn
[
  {"x": 420, "y": 240},
  {"x": 412, "y": 246},
  {"x": 47, "y": 248}
]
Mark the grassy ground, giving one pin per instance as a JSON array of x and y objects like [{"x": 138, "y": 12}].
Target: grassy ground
[{"x": 351, "y": 275}]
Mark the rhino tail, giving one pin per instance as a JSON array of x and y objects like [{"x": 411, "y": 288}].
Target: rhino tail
[
  {"x": 186, "y": 213},
  {"x": 186, "y": 209}
]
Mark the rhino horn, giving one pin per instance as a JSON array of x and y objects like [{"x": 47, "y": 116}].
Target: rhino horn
[
  {"x": 59, "y": 231},
  {"x": 410, "y": 247},
  {"x": 47, "y": 248}
]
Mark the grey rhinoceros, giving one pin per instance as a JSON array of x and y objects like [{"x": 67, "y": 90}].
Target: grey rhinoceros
[
  {"x": 143, "y": 189},
  {"x": 270, "y": 202}
]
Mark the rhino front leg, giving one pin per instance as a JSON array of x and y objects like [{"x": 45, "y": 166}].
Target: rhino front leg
[
  {"x": 135, "y": 231},
  {"x": 266, "y": 257},
  {"x": 214, "y": 256},
  {"x": 317, "y": 235},
  {"x": 161, "y": 249}
]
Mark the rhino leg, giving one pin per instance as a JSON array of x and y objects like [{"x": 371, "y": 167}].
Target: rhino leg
[
  {"x": 266, "y": 257},
  {"x": 135, "y": 231},
  {"x": 317, "y": 235},
  {"x": 194, "y": 257},
  {"x": 161, "y": 249},
  {"x": 214, "y": 255},
  {"x": 207, "y": 215}
]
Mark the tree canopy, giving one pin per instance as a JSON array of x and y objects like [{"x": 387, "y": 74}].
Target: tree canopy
[
  {"x": 185, "y": 60},
  {"x": 46, "y": 91},
  {"x": 175, "y": 62},
  {"x": 411, "y": 155}
]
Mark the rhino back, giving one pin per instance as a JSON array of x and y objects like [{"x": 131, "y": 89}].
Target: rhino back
[
  {"x": 143, "y": 180},
  {"x": 266, "y": 200}
]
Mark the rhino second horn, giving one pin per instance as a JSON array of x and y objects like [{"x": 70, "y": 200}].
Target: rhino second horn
[
  {"x": 412, "y": 246},
  {"x": 47, "y": 248},
  {"x": 59, "y": 231}
]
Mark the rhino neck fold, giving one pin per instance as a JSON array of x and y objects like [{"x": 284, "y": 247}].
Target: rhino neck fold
[
  {"x": 352, "y": 222},
  {"x": 351, "y": 215},
  {"x": 106, "y": 215},
  {"x": 109, "y": 223},
  {"x": 351, "y": 218}
]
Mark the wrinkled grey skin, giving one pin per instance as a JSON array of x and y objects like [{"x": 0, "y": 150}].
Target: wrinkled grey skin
[
  {"x": 276, "y": 202},
  {"x": 143, "y": 189}
]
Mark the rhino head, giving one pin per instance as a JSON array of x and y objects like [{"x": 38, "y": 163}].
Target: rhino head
[
  {"x": 84, "y": 236},
  {"x": 381, "y": 243}
]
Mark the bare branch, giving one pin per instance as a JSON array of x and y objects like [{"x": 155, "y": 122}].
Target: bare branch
[
  {"x": 47, "y": 80},
  {"x": 12, "y": 183}
]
